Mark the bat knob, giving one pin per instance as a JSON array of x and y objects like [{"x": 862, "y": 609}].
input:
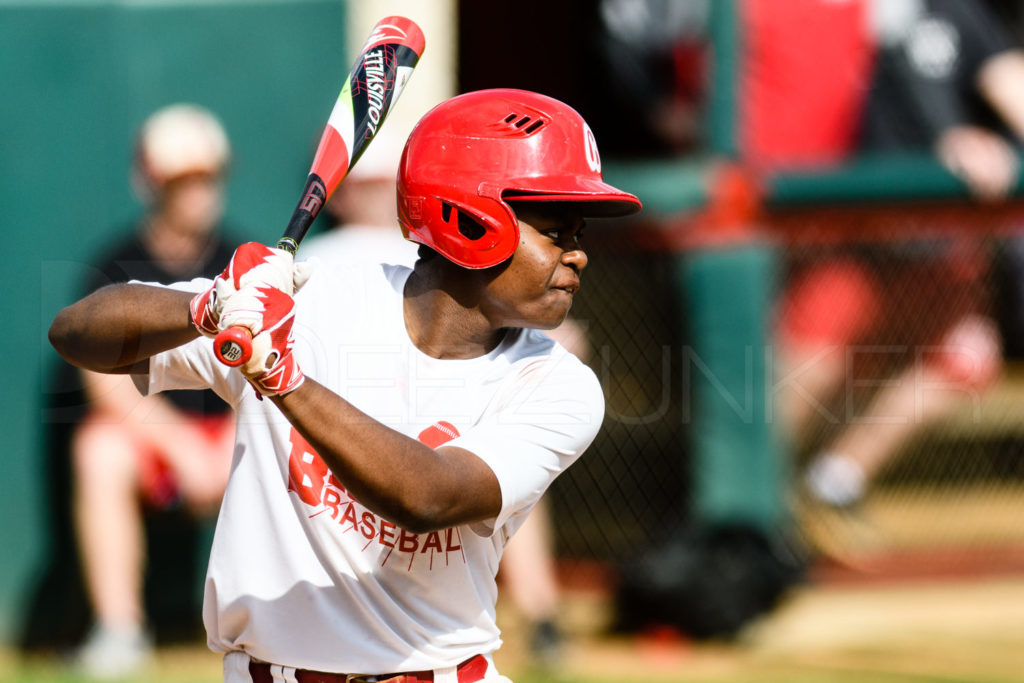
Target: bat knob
[{"x": 233, "y": 346}]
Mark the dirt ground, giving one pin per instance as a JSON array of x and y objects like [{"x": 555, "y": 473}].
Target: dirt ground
[
  {"x": 939, "y": 597},
  {"x": 967, "y": 629},
  {"x": 944, "y": 604}
]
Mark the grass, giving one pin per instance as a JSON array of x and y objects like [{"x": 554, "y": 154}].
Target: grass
[
  {"x": 615, "y": 663},
  {"x": 970, "y": 630}
]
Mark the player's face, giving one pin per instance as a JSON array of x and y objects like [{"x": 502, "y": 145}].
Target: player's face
[{"x": 536, "y": 287}]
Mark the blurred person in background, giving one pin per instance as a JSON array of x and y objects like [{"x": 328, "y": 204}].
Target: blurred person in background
[
  {"x": 133, "y": 456},
  {"x": 652, "y": 56},
  {"x": 801, "y": 76},
  {"x": 948, "y": 79}
]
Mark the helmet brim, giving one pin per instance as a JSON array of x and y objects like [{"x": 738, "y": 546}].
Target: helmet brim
[{"x": 592, "y": 198}]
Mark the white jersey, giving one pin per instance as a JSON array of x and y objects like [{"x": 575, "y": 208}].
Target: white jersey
[{"x": 303, "y": 575}]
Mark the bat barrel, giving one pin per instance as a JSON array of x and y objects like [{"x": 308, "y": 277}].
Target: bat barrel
[{"x": 375, "y": 82}]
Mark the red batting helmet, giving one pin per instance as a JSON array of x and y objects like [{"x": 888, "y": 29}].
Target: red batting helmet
[{"x": 473, "y": 153}]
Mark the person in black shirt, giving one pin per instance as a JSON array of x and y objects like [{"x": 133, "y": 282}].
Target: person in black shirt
[
  {"x": 948, "y": 80},
  {"x": 131, "y": 455}
]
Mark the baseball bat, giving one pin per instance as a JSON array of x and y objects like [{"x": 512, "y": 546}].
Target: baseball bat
[{"x": 379, "y": 74}]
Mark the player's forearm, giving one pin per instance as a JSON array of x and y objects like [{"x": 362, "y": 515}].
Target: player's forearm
[
  {"x": 405, "y": 481},
  {"x": 122, "y": 325}
]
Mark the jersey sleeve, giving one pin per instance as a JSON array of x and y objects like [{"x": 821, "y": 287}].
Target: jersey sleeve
[
  {"x": 192, "y": 365},
  {"x": 548, "y": 413}
]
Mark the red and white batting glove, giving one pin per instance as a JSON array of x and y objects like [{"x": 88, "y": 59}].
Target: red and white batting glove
[
  {"x": 204, "y": 310},
  {"x": 272, "y": 370},
  {"x": 252, "y": 264}
]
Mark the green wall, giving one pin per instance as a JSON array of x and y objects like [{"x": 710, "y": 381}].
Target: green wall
[{"x": 76, "y": 79}]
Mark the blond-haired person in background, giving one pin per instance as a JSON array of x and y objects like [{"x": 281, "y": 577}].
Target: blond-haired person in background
[{"x": 132, "y": 456}]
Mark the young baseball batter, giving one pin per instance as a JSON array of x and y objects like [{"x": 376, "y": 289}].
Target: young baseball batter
[{"x": 395, "y": 425}]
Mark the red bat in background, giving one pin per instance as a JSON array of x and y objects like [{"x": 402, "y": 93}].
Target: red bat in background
[{"x": 377, "y": 78}]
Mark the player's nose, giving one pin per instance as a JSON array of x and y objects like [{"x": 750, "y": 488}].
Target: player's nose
[{"x": 575, "y": 258}]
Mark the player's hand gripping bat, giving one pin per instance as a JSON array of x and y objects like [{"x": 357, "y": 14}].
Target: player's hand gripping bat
[{"x": 377, "y": 78}]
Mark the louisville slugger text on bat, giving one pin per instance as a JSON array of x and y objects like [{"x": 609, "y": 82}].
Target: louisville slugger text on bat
[{"x": 377, "y": 78}]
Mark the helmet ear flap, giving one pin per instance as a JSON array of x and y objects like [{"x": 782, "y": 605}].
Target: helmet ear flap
[
  {"x": 473, "y": 237},
  {"x": 470, "y": 228},
  {"x": 461, "y": 222}
]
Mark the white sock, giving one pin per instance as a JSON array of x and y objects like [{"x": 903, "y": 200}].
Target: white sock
[{"x": 835, "y": 479}]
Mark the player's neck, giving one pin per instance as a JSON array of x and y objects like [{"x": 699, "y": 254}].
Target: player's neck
[{"x": 444, "y": 322}]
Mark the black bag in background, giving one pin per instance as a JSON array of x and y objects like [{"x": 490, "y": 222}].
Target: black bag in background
[{"x": 708, "y": 582}]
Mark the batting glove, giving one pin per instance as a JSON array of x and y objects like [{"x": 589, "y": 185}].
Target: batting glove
[
  {"x": 272, "y": 370},
  {"x": 204, "y": 312},
  {"x": 252, "y": 264}
]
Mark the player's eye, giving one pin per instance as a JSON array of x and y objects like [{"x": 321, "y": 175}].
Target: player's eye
[{"x": 565, "y": 234}]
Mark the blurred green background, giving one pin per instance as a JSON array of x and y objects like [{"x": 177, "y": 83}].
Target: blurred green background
[{"x": 76, "y": 80}]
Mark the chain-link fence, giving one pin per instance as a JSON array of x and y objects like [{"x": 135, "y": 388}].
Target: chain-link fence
[
  {"x": 898, "y": 346},
  {"x": 632, "y": 483}
]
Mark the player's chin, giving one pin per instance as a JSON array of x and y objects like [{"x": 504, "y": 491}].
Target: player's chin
[{"x": 552, "y": 313}]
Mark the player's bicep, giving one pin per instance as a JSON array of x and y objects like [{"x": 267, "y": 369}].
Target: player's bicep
[{"x": 476, "y": 492}]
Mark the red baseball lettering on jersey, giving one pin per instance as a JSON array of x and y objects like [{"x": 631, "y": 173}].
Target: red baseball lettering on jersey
[
  {"x": 433, "y": 542},
  {"x": 306, "y": 471},
  {"x": 332, "y": 502},
  {"x": 349, "y": 516},
  {"x": 316, "y": 486},
  {"x": 449, "y": 543},
  {"x": 387, "y": 533},
  {"x": 369, "y": 520},
  {"x": 407, "y": 542},
  {"x": 438, "y": 433}
]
